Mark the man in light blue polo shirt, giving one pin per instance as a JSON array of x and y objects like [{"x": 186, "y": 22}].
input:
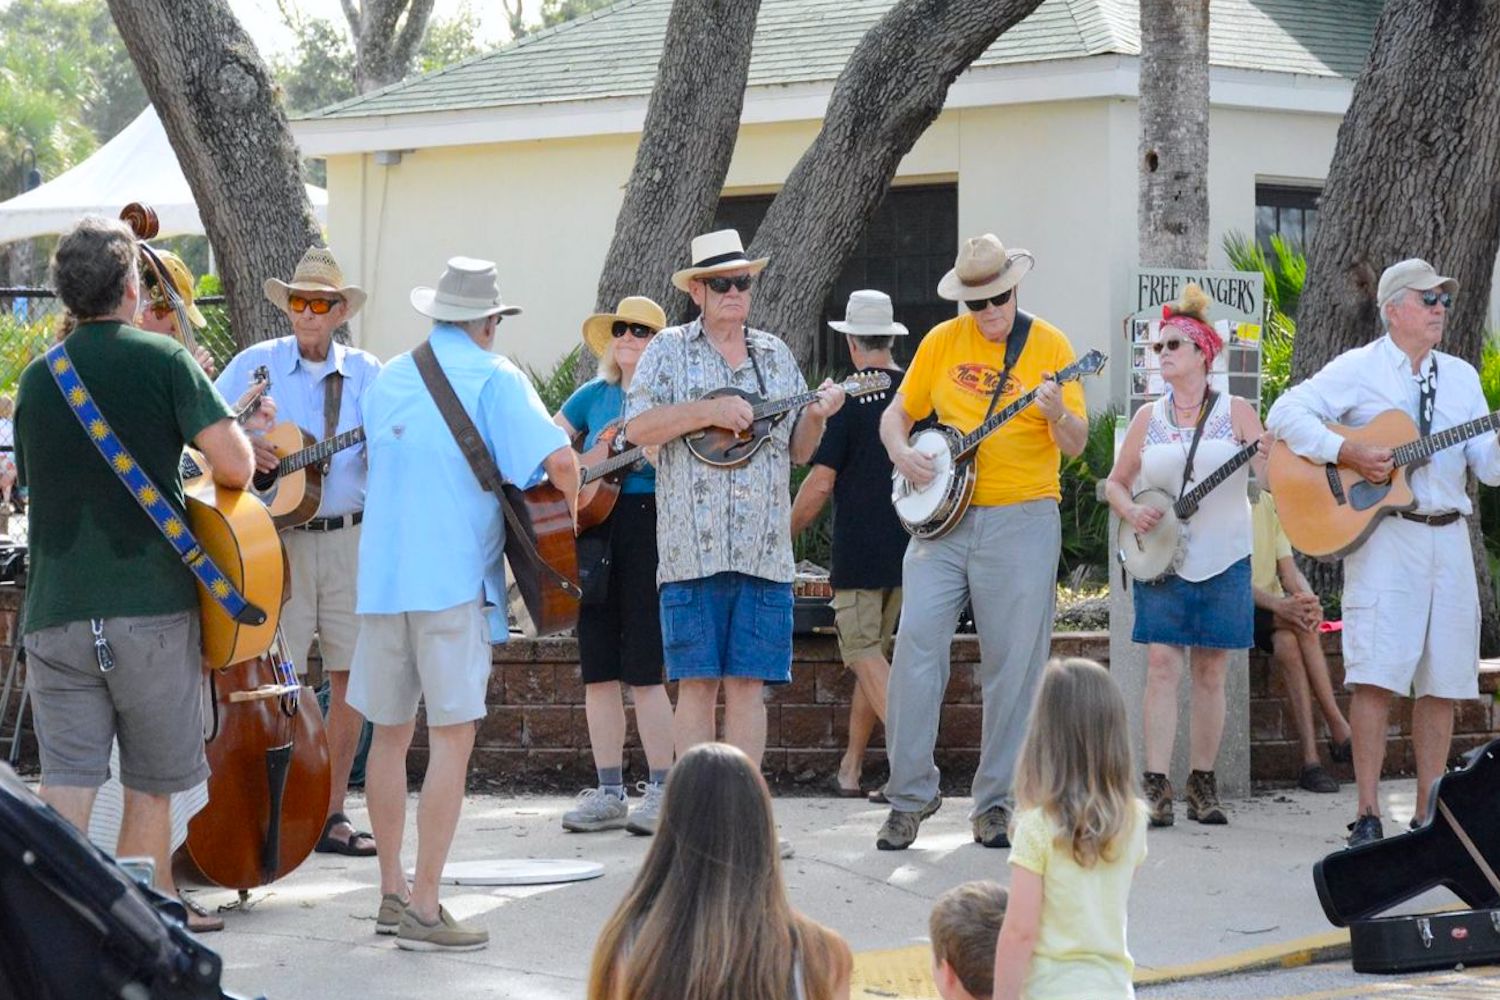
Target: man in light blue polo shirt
[
  {"x": 319, "y": 384},
  {"x": 430, "y": 563}
]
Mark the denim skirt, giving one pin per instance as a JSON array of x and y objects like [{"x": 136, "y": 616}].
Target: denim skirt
[{"x": 1217, "y": 613}]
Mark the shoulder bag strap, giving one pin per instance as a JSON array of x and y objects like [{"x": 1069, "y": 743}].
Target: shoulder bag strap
[
  {"x": 479, "y": 458},
  {"x": 152, "y": 500}
]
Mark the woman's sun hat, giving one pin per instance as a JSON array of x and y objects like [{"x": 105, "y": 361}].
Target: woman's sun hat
[{"x": 598, "y": 329}]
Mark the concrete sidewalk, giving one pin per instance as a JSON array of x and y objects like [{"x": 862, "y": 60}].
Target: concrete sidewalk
[{"x": 1207, "y": 900}]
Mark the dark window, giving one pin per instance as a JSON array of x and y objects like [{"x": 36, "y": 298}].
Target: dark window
[
  {"x": 1290, "y": 211},
  {"x": 907, "y": 247}
]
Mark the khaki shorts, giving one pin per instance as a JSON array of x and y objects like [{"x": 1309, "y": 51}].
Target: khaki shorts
[
  {"x": 442, "y": 657},
  {"x": 324, "y": 567},
  {"x": 866, "y": 620},
  {"x": 152, "y": 700}
]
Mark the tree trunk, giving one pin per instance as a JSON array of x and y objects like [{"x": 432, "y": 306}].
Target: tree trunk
[
  {"x": 691, "y": 126},
  {"x": 891, "y": 90},
  {"x": 218, "y": 104},
  {"x": 383, "y": 45},
  {"x": 1415, "y": 174},
  {"x": 1173, "y": 213}
]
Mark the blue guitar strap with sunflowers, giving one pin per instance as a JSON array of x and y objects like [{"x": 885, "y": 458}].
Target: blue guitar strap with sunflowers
[{"x": 166, "y": 518}]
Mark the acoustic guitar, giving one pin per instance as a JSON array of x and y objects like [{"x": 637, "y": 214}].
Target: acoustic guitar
[
  {"x": 728, "y": 449},
  {"x": 293, "y": 490},
  {"x": 543, "y": 555},
  {"x": 1329, "y": 510},
  {"x": 601, "y": 469},
  {"x": 933, "y": 510}
]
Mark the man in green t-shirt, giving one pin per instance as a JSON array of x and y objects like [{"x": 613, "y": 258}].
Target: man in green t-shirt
[{"x": 111, "y": 615}]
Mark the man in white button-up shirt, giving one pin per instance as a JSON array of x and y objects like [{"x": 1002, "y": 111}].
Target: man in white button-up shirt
[{"x": 1411, "y": 605}]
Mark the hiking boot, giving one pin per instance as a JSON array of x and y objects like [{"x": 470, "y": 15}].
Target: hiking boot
[
  {"x": 1315, "y": 779},
  {"x": 1365, "y": 830},
  {"x": 1157, "y": 791},
  {"x": 446, "y": 935},
  {"x": 388, "y": 920},
  {"x": 643, "y": 817},
  {"x": 991, "y": 827},
  {"x": 1203, "y": 799},
  {"x": 900, "y": 828},
  {"x": 596, "y": 810}
]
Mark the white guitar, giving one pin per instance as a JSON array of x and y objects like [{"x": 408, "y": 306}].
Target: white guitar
[{"x": 933, "y": 510}]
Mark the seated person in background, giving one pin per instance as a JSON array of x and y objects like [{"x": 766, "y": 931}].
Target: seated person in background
[
  {"x": 964, "y": 924},
  {"x": 714, "y": 864},
  {"x": 1287, "y": 614}
]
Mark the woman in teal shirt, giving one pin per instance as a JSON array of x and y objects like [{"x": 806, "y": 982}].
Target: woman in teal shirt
[{"x": 619, "y": 624}]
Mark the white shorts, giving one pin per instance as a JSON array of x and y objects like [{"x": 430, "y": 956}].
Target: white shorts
[
  {"x": 1411, "y": 611},
  {"x": 442, "y": 657}
]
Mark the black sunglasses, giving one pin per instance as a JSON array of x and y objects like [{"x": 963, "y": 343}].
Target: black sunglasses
[
  {"x": 640, "y": 331},
  {"x": 722, "y": 284},
  {"x": 979, "y": 305},
  {"x": 1169, "y": 345},
  {"x": 1432, "y": 298}
]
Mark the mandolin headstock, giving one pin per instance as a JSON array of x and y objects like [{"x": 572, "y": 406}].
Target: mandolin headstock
[{"x": 865, "y": 383}]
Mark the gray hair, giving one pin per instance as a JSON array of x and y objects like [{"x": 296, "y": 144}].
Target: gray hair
[
  {"x": 1397, "y": 296},
  {"x": 873, "y": 343}
]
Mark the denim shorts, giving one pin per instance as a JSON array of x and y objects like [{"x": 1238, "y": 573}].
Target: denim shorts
[
  {"x": 1217, "y": 613},
  {"x": 727, "y": 625}
]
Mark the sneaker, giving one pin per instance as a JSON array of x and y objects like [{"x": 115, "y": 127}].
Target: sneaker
[
  {"x": 900, "y": 828},
  {"x": 1203, "y": 799},
  {"x": 596, "y": 810},
  {"x": 1156, "y": 788},
  {"x": 644, "y": 816},
  {"x": 1315, "y": 779},
  {"x": 388, "y": 920},
  {"x": 991, "y": 827},
  {"x": 446, "y": 935},
  {"x": 1365, "y": 830}
]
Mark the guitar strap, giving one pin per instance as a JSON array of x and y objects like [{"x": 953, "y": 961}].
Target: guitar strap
[
  {"x": 481, "y": 462},
  {"x": 152, "y": 500},
  {"x": 1427, "y": 399},
  {"x": 1015, "y": 343},
  {"x": 333, "y": 395},
  {"x": 1209, "y": 398},
  {"x": 1469, "y": 845}
]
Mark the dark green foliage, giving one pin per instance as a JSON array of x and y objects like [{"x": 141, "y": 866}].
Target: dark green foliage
[
  {"x": 1085, "y": 518},
  {"x": 557, "y": 385},
  {"x": 1285, "y": 272}
]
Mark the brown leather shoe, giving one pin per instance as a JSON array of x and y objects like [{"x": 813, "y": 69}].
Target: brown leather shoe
[
  {"x": 1203, "y": 799},
  {"x": 1157, "y": 791}
]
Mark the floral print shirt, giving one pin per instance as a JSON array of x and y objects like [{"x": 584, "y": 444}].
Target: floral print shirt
[{"x": 709, "y": 519}]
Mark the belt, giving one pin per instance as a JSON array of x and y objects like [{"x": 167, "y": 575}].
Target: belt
[
  {"x": 1431, "y": 520},
  {"x": 333, "y": 523}
]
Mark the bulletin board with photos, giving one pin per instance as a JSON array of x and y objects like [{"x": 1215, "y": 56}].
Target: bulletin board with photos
[{"x": 1237, "y": 312}]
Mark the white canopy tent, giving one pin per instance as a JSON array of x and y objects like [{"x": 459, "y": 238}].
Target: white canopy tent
[{"x": 136, "y": 165}]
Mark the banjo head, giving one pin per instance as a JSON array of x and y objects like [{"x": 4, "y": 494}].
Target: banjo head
[
  {"x": 1151, "y": 556},
  {"x": 913, "y": 504}
]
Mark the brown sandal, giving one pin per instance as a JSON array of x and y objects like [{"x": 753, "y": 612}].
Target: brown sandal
[{"x": 199, "y": 920}]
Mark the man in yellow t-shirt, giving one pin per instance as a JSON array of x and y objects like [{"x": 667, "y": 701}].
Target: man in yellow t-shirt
[{"x": 1001, "y": 557}]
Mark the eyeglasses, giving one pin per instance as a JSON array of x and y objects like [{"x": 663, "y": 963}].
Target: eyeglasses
[
  {"x": 1432, "y": 298},
  {"x": 721, "y": 284},
  {"x": 1168, "y": 345},
  {"x": 979, "y": 305},
  {"x": 319, "y": 307},
  {"x": 640, "y": 331}
]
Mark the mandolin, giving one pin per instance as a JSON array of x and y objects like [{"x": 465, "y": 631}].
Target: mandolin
[{"x": 729, "y": 449}]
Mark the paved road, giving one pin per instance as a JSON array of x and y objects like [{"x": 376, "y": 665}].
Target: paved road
[{"x": 1335, "y": 982}]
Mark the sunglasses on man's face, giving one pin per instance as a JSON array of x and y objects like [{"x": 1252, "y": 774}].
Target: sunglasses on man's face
[
  {"x": 979, "y": 305},
  {"x": 319, "y": 307},
  {"x": 640, "y": 331},
  {"x": 1168, "y": 345},
  {"x": 1433, "y": 297},
  {"x": 721, "y": 285}
]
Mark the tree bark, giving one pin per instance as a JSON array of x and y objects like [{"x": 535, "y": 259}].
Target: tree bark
[
  {"x": 1416, "y": 173},
  {"x": 692, "y": 122},
  {"x": 218, "y": 104},
  {"x": 891, "y": 90},
  {"x": 384, "y": 45},
  {"x": 1172, "y": 216}
]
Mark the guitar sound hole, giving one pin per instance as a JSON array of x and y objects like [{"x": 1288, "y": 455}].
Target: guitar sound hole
[
  {"x": 1364, "y": 494},
  {"x": 263, "y": 481}
]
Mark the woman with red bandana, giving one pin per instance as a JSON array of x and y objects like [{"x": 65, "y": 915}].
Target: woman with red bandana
[{"x": 1206, "y": 605}]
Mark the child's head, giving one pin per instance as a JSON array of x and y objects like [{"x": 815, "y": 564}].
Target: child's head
[
  {"x": 964, "y": 924},
  {"x": 1075, "y": 764}
]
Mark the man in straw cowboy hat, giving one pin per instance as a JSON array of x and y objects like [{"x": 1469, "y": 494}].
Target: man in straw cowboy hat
[
  {"x": 852, "y": 467},
  {"x": 319, "y": 384},
  {"x": 432, "y": 580},
  {"x": 1002, "y": 556},
  {"x": 723, "y": 535}
]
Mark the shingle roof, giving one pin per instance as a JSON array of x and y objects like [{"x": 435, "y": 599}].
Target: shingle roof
[{"x": 613, "y": 52}]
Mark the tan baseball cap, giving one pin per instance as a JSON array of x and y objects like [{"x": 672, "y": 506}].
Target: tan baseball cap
[{"x": 1413, "y": 273}]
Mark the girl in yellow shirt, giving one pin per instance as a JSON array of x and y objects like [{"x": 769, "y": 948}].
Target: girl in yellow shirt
[{"x": 1078, "y": 836}]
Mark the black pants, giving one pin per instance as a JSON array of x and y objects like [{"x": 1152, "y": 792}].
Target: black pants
[{"x": 619, "y": 634}]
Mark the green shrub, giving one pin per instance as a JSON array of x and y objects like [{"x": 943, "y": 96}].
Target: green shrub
[
  {"x": 1085, "y": 518},
  {"x": 20, "y": 341},
  {"x": 557, "y": 385},
  {"x": 1285, "y": 273}
]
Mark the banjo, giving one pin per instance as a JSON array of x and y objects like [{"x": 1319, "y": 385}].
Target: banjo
[
  {"x": 933, "y": 510},
  {"x": 1158, "y": 553}
]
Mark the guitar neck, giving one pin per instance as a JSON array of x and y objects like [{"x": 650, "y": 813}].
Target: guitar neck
[
  {"x": 1185, "y": 506},
  {"x": 320, "y": 451},
  {"x": 615, "y": 463},
  {"x": 1430, "y": 445},
  {"x": 971, "y": 440},
  {"x": 776, "y": 407}
]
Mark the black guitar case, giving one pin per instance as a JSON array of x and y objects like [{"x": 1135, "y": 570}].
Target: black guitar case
[
  {"x": 74, "y": 926},
  {"x": 1426, "y": 941}
]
